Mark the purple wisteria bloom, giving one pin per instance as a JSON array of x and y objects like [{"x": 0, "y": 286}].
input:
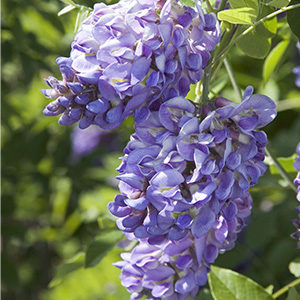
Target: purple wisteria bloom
[
  {"x": 130, "y": 57},
  {"x": 184, "y": 183},
  {"x": 174, "y": 270},
  {"x": 296, "y": 70},
  {"x": 178, "y": 171},
  {"x": 296, "y": 222}
]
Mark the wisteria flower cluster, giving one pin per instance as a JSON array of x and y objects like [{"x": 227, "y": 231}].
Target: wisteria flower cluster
[
  {"x": 187, "y": 169},
  {"x": 130, "y": 57},
  {"x": 176, "y": 269},
  {"x": 185, "y": 180}
]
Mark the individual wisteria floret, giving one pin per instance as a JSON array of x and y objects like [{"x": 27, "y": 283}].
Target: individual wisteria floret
[
  {"x": 174, "y": 270},
  {"x": 296, "y": 222},
  {"x": 131, "y": 57},
  {"x": 178, "y": 171},
  {"x": 296, "y": 70}
]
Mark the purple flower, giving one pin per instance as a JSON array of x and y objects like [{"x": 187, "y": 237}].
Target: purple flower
[
  {"x": 178, "y": 171},
  {"x": 129, "y": 56},
  {"x": 72, "y": 97},
  {"x": 176, "y": 269},
  {"x": 296, "y": 70}
]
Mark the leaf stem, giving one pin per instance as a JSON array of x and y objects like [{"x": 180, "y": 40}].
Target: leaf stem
[
  {"x": 222, "y": 5},
  {"x": 210, "y": 8},
  {"x": 198, "y": 92},
  {"x": 286, "y": 288},
  {"x": 228, "y": 36},
  {"x": 79, "y": 6},
  {"x": 281, "y": 170},
  {"x": 233, "y": 79}
]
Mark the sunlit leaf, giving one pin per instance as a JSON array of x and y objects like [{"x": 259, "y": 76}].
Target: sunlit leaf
[
  {"x": 69, "y": 2},
  {"x": 228, "y": 285},
  {"x": 269, "y": 27},
  {"x": 279, "y": 3},
  {"x": 270, "y": 289},
  {"x": 244, "y": 3},
  {"x": 273, "y": 59},
  {"x": 66, "y": 268},
  {"x": 243, "y": 15},
  {"x": 285, "y": 162},
  {"x": 189, "y": 3},
  {"x": 294, "y": 267},
  {"x": 66, "y": 9}
]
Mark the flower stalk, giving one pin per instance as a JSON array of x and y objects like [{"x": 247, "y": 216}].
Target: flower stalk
[{"x": 286, "y": 288}]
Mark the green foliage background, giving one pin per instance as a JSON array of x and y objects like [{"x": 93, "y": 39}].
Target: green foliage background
[{"x": 52, "y": 209}]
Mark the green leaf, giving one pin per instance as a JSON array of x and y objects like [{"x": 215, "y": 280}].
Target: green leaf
[
  {"x": 228, "y": 285},
  {"x": 293, "y": 18},
  {"x": 69, "y": 2},
  {"x": 269, "y": 27},
  {"x": 254, "y": 44},
  {"x": 279, "y": 3},
  {"x": 189, "y": 3},
  {"x": 192, "y": 93},
  {"x": 285, "y": 162},
  {"x": 270, "y": 289},
  {"x": 244, "y": 3},
  {"x": 257, "y": 43},
  {"x": 293, "y": 294},
  {"x": 66, "y": 268},
  {"x": 100, "y": 246},
  {"x": 81, "y": 16},
  {"x": 273, "y": 59},
  {"x": 294, "y": 267},
  {"x": 66, "y": 9},
  {"x": 243, "y": 15}
]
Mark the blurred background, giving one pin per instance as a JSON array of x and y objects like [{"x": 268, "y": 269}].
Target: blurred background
[{"x": 56, "y": 181}]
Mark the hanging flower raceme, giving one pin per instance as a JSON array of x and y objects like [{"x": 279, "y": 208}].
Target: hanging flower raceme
[
  {"x": 152, "y": 177},
  {"x": 176, "y": 269},
  {"x": 178, "y": 172},
  {"x": 129, "y": 57}
]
